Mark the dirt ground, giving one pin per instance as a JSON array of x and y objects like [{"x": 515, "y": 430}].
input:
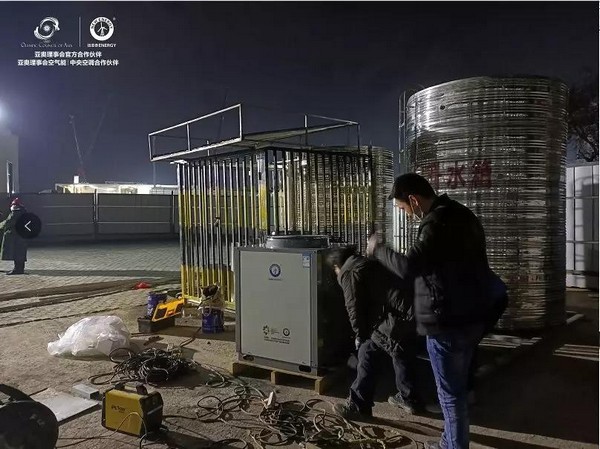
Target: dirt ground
[{"x": 544, "y": 397}]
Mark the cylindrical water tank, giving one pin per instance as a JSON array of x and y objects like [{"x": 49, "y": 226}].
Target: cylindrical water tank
[{"x": 497, "y": 145}]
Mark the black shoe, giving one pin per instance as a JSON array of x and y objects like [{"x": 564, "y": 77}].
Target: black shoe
[
  {"x": 410, "y": 406},
  {"x": 349, "y": 410},
  {"x": 14, "y": 272}
]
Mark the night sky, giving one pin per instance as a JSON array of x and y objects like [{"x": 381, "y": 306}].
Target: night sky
[{"x": 179, "y": 60}]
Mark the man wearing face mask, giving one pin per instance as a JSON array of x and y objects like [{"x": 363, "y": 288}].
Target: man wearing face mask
[{"x": 449, "y": 265}]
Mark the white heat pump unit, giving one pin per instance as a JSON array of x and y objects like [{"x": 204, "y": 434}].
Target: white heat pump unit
[{"x": 289, "y": 308}]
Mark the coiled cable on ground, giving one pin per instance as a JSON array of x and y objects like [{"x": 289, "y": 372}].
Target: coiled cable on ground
[
  {"x": 269, "y": 423},
  {"x": 151, "y": 366}
]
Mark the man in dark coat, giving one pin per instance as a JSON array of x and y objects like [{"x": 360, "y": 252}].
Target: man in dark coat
[
  {"x": 13, "y": 247},
  {"x": 452, "y": 280},
  {"x": 380, "y": 309}
]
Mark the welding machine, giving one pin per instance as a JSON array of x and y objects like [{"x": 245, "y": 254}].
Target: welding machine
[{"x": 132, "y": 412}]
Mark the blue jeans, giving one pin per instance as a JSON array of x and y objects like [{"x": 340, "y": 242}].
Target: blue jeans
[{"x": 450, "y": 354}]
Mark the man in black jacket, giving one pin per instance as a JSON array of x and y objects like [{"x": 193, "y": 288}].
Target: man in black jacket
[
  {"x": 12, "y": 245},
  {"x": 379, "y": 306},
  {"x": 451, "y": 275}
]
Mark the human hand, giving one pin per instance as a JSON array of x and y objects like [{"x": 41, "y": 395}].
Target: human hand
[
  {"x": 374, "y": 240},
  {"x": 357, "y": 343}
]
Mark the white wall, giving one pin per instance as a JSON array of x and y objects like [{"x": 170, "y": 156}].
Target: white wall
[
  {"x": 582, "y": 225},
  {"x": 9, "y": 152}
]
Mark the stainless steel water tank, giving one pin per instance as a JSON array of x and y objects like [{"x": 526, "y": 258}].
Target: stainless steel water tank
[{"x": 497, "y": 145}]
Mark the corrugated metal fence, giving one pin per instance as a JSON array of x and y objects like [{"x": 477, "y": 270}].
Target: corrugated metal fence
[{"x": 101, "y": 216}]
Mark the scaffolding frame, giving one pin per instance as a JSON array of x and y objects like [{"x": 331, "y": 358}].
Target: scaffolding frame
[{"x": 237, "y": 191}]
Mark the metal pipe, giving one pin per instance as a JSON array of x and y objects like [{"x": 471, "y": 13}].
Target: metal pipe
[
  {"x": 320, "y": 193},
  {"x": 239, "y": 204},
  {"x": 247, "y": 177},
  {"x": 345, "y": 198},
  {"x": 372, "y": 191},
  {"x": 302, "y": 195},
  {"x": 339, "y": 197},
  {"x": 193, "y": 200},
  {"x": 211, "y": 222},
  {"x": 225, "y": 229},
  {"x": 190, "y": 231},
  {"x": 275, "y": 189},
  {"x": 182, "y": 242},
  {"x": 201, "y": 204},
  {"x": 231, "y": 213},
  {"x": 357, "y": 194},
  {"x": 261, "y": 211},
  {"x": 265, "y": 187},
  {"x": 251, "y": 178},
  {"x": 309, "y": 191},
  {"x": 196, "y": 119},
  {"x": 286, "y": 195},
  {"x": 189, "y": 153},
  {"x": 218, "y": 220},
  {"x": 351, "y": 198},
  {"x": 348, "y": 122},
  {"x": 368, "y": 199},
  {"x": 305, "y": 130},
  {"x": 331, "y": 215},
  {"x": 292, "y": 193},
  {"x": 206, "y": 270}
]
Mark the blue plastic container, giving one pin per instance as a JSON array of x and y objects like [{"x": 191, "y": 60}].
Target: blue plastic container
[
  {"x": 213, "y": 321},
  {"x": 154, "y": 298}
]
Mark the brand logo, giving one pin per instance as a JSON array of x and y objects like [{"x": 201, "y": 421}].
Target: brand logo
[
  {"x": 273, "y": 335},
  {"x": 102, "y": 28},
  {"x": 275, "y": 270},
  {"x": 46, "y": 29}
]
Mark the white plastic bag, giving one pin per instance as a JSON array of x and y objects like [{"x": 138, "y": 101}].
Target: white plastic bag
[{"x": 96, "y": 335}]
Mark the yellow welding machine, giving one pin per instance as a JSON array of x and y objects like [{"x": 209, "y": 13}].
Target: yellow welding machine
[{"x": 132, "y": 412}]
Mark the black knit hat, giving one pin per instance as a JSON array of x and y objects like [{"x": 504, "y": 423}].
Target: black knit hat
[{"x": 410, "y": 184}]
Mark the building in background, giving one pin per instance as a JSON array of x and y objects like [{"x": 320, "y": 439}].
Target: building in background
[
  {"x": 582, "y": 224},
  {"x": 116, "y": 187},
  {"x": 9, "y": 161}
]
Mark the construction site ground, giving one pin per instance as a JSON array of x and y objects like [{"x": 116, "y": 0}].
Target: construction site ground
[{"x": 534, "y": 391}]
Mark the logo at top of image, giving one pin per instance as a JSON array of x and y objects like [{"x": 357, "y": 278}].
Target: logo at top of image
[
  {"x": 46, "y": 29},
  {"x": 102, "y": 28},
  {"x": 275, "y": 270}
]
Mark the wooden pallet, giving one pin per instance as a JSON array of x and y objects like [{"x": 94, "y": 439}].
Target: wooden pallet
[{"x": 278, "y": 376}]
